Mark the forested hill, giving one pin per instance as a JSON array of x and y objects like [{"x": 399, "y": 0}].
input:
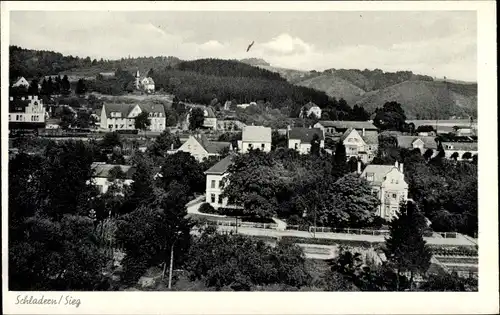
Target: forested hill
[
  {"x": 227, "y": 68},
  {"x": 31, "y": 63},
  {"x": 199, "y": 87}
]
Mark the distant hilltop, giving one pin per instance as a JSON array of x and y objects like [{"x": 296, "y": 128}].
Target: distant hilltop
[{"x": 255, "y": 62}]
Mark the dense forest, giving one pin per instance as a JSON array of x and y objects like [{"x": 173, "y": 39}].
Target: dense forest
[
  {"x": 31, "y": 63},
  {"x": 370, "y": 80},
  {"x": 227, "y": 68}
]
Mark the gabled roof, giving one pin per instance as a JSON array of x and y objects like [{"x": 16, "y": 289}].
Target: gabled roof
[
  {"x": 305, "y": 134},
  {"x": 147, "y": 80},
  {"x": 207, "y": 110},
  {"x": 370, "y": 138},
  {"x": 152, "y": 108},
  {"x": 221, "y": 167},
  {"x": 407, "y": 141},
  {"x": 104, "y": 170},
  {"x": 256, "y": 134},
  {"x": 340, "y": 124},
  {"x": 461, "y": 146},
  {"x": 125, "y": 109},
  {"x": 379, "y": 172},
  {"x": 211, "y": 147},
  {"x": 18, "y": 105},
  {"x": 310, "y": 105}
]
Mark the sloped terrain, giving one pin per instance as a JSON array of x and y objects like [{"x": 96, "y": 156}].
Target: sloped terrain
[
  {"x": 335, "y": 87},
  {"x": 426, "y": 99}
]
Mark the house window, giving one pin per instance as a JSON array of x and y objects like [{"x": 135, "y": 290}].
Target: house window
[
  {"x": 212, "y": 198},
  {"x": 219, "y": 200},
  {"x": 122, "y": 126},
  {"x": 250, "y": 146},
  {"x": 213, "y": 184},
  {"x": 296, "y": 146},
  {"x": 18, "y": 117},
  {"x": 116, "y": 126},
  {"x": 394, "y": 196},
  {"x": 110, "y": 126},
  {"x": 369, "y": 176},
  {"x": 262, "y": 146}
]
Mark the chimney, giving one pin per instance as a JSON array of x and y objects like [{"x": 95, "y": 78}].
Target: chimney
[
  {"x": 363, "y": 132},
  {"x": 396, "y": 164},
  {"x": 172, "y": 146},
  {"x": 401, "y": 168},
  {"x": 359, "y": 167}
]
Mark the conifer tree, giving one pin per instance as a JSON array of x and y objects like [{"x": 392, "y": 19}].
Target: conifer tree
[{"x": 406, "y": 248}]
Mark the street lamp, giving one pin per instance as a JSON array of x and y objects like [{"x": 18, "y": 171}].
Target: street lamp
[{"x": 171, "y": 261}]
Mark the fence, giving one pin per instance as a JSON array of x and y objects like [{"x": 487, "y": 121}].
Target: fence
[
  {"x": 447, "y": 234},
  {"x": 322, "y": 229},
  {"x": 267, "y": 226}
]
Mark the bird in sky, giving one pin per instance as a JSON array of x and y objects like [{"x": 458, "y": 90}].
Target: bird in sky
[{"x": 250, "y": 46}]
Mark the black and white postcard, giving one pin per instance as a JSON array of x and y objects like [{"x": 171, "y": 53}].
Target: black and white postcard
[{"x": 249, "y": 157}]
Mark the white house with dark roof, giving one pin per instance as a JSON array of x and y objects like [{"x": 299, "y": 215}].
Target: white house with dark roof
[
  {"x": 209, "y": 121},
  {"x": 27, "y": 112},
  {"x": 423, "y": 143},
  {"x": 460, "y": 148},
  {"x": 200, "y": 147},
  {"x": 103, "y": 176},
  {"x": 214, "y": 187},
  {"x": 122, "y": 116},
  {"x": 21, "y": 82},
  {"x": 301, "y": 139},
  {"x": 389, "y": 185},
  {"x": 341, "y": 126},
  {"x": 309, "y": 109},
  {"x": 146, "y": 84},
  {"x": 255, "y": 137},
  {"x": 360, "y": 145}
]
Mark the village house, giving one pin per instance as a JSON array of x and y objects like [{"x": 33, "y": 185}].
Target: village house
[
  {"x": 255, "y": 137},
  {"x": 230, "y": 124},
  {"x": 301, "y": 139},
  {"x": 200, "y": 147},
  {"x": 460, "y": 148},
  {"x": 21, "y": 82},
  {"x": 146, "y": 84},
  {"x": 27, "y": 113},
  {"x": 214, "y": 177},
  {"x": 104, "y": 175},
  {"x": 309, "y": 109},
  {"x": 389, "y": 185},
  {"x": 417, "y": 142},
  {"x": 362, "y": 145},
  {"x": 209, "y": 121},
  {"x": 340, "y": 127},
  {"x": 122, "y": 116}
]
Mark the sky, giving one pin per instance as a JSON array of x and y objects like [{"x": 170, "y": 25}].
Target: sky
[{"x": 436, "y": 43}]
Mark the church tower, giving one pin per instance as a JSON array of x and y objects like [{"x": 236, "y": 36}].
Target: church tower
[{"x": 137, "y": 76}]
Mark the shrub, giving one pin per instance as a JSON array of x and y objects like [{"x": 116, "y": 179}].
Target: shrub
[{"x": 207, "y": 208}]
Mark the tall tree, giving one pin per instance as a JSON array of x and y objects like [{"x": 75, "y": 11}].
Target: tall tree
[
  {"x": 65, "y": 86},
  {"x": 406, "y": 248},
  {"x": 184, "y": 169},
  {"x": 196, "y": 118},
  {"x": 33, "y": 88},
  {"x": 390, "y": 117},
  {"x": 142, "y": 122},
  {"x": 315, "y": 145},
  {"x": 81, "y": 87}
]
